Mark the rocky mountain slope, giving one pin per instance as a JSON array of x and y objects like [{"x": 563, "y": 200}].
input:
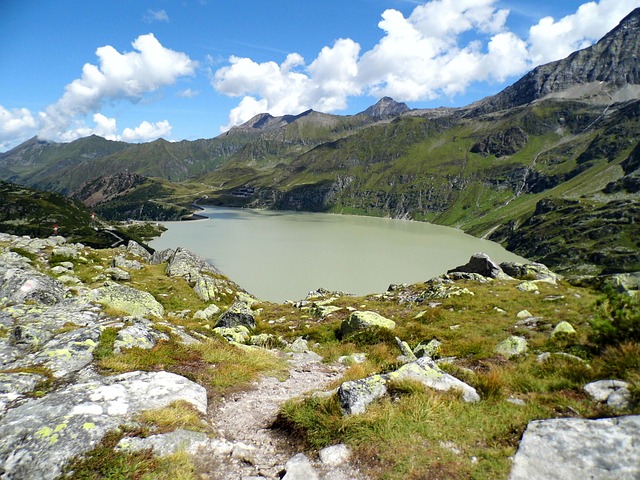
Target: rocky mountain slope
[
  {"x": 118, "y": 363},
  {"x": 566, "y": 132}
]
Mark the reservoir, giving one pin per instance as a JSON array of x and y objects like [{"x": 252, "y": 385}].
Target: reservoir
[{"x": 280, "y": 256}]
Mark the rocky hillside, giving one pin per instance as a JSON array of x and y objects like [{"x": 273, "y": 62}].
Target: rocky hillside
[{"x": 116, "y": 363}]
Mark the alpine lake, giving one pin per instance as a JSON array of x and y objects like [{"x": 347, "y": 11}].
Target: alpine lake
[{"x": 279, "y": 256}]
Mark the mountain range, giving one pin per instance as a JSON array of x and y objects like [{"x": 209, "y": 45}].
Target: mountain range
[{"x": 550, "y": 166}]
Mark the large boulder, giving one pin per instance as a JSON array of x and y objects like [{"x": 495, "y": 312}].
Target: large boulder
[
  {"x": 237, "y": 315},
  {"x": 141, "y": 335},
  {"x": 138, "y": 250},
  {"x": 364, "y": 320},
  {"x": 577, "y": 449},
  {"x": 481, "y": 264},
  {"x": 615, "y": 393},
  {"x": 188, "y": 265},
  {"x": 19, "y": 285},
  {"x": 40, "y": 436},
  {"x": 131, "y": 301},
  {"x": 530, "y": 271}
]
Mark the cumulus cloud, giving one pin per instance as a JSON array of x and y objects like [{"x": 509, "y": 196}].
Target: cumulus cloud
[
  {"x": 552, "y": 40},
  {"x": 292, "y": 86},
  {"x": 188, "y": 93},
  {"x": 106, "y": 127},
  {"x": 15, "y": 123},
  {"x": 439, "y": 50},
  {"x": 128, "y": 75}
]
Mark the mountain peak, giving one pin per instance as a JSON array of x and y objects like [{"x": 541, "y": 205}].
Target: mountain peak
[
  {"x": 608, "y": 70},
  {"x": 385, "y": 107}
]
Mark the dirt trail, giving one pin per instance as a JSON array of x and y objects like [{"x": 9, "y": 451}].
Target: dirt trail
[{"x": 246, "y": 447}]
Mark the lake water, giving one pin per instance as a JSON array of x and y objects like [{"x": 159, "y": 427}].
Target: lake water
[{"x": 280, "y": 256}]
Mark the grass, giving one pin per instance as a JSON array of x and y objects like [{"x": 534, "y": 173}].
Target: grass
[
  {"x": 104, "y": 462},
  {"x": 214, "y": 363}
]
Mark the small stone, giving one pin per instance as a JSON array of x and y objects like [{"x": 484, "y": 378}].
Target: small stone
[
  {"x": 335, "y": 454},
  {"x": 564, "y": 329},
  {"x": 522, "y": 314},
  {"x": 528, "y": 287}
]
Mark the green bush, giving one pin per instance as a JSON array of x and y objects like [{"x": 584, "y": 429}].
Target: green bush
[{"x": 617, "y": 320}]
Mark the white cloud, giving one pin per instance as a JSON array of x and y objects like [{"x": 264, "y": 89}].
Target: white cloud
[
  {"x": 552, "y": 40},
  {"x": 146, "y": 132},
  {"x": 128, "y": 75},
  {"x": 439, "y": 50},
  {"x": 156, "y": 16},
  {"x": 291, "y": 87},
  {"x": 15, "y": 123}
]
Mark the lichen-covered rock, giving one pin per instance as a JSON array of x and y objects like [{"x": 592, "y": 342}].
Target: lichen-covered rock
[
  {"x": 528, "y": 286},
  {"x": 162, "y": 256},
  {"x": 577, "y": 449},
  {"x": 407, "y": 353},
  {"x": 512, "y": 347},
  {"x": 120, "y": 261},
  {"x": 40, "y": 436},
  {"x": 207, "y": 313},
  {"x": 439, "y": 288},
  {"x": 363, "y": 320},
  {"x": 425, "y": 371},
  {"x": 134, "y": 302},
  {"x": 140, "y": 335},
  {"x": 238, "y": 314},
  {"x": 167, "y": 443},
  {"x": 353, "y": 358},
  {"x": 356, "y": 395},
  {"x": 188, "y": 265},
  {"x": 238, "y": 334},
  {"x": 481, "y": 264},
  {"x": 563, "y": 329},
  {"x": 136, "y": 249},
  {"x": 267, "y": 340},
  {"x": 299, "y": 345},
  {"x": 428, "y": 349},
  {"x": 530, "y": 271},
  {"x": 118, "y": 274},
  {"x": 19, "y": 285}
]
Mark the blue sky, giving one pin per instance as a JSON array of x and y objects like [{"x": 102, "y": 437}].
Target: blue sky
[{"x": 186, "y": 69}]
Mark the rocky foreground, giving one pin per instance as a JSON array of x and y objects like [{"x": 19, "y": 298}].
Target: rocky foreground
[{"x": 83, "y": 331}]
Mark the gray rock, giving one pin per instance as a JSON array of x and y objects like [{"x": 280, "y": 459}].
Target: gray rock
[
  {"x": 530, "y": 271},
  {"x": 188, "y": 265},
  {"x": 359, "y": 320},
  {"x": 167, "y": 443},
  {"x": 428, "y": 349},
  {"x": 162, "y": 256},
  {"x": 406, "y": 350},
  {"x": 26, "y": 285},
  {"x": 134, "y": 302},
  {"x": 140, "y": 335},
  {"x": 564, "y": 329},
  {"x": 238, "y": 314},
  {"x": 334, "y": 455},
  {"x": 356, "y": 395},
  {"x": 299, "y": 468},
  {"x": 615, "y": 393},
  {"x": 481, "y": 264},
  {"x": 120, "y": 261},
  {"x": 207, "y": 313},
  {"x": 512, "y": 347},
  {"x": 299, "y": 345},
  {"x": 118, "y": 274},
  {"x": 40, "y": 436},
  {"x": 528, "y": 286},
  {"x": 136, "y": 249},
  {"x": 577, "y": 449},
  {"x": 238, "y": 334}
]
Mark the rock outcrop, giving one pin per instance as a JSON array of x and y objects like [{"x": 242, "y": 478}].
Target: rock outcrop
[{"x": 575, "y": 449}]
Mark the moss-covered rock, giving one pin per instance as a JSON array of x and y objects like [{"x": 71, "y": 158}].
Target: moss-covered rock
[
  {"x": 363, "y": 320},
  {"x": 134, "y": 302}
]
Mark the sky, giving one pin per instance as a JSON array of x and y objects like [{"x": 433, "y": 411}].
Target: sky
[{"x": 138, "y": 70}]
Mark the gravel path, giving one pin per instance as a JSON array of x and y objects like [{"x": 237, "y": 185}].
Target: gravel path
[{"x": 247, "y": 448}]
